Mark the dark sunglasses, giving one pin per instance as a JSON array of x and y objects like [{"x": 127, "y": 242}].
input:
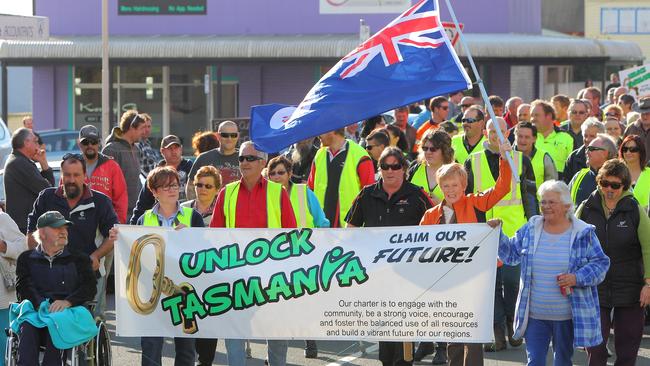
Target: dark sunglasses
[
  {"x": 632, "y": 149},
  {"x": 206, "y": 186},
  {"x": 610, "y": 114},
  {"x": 279, "y": 172},
  {"x": 465, "y": 105},
  {"x": 86, "y": 142},
  {"x": 430, "y": 148},
  {"x": 444, "y": 107},
  {"x": 248, "y": 158},
  {"x": 396, "y": 166},
  {"x": 608, "y": 184},
  {"x": 579, "y": 112},
  {"x": 69, "y": 156},
  {"x": 595, "y": 148},
  {"x": 370, "y": 147},
  {"x": 229, "y": 135},
  {"x": 470, "y": 120}
]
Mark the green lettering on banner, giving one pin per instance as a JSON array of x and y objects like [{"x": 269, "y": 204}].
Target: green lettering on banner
[
  {"x": 247, "y": 293},
  {"x": 173, "y": 305},
  {"x": 305, "y": 280},
  {"x": 353, "y": 270},
  {"x": 332, "y": 261},
  {"x": 278, "y": 285},
  {"x": 193, "y": 307},
  {"x": 218, "y": 299},
  {"x": 637, "y": 73}
]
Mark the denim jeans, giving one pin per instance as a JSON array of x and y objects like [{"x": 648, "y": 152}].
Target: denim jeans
[
  {"x": 539, "y": 334},
  {"x": 152, "y": 351},
  {"x": 277, "y": 352}
]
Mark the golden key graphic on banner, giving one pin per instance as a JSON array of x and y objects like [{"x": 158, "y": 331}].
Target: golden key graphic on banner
[{"x": 161, "y": 283}]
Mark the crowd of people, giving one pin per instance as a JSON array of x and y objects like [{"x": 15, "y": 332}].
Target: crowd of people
[{"x": 575, "y": 232}]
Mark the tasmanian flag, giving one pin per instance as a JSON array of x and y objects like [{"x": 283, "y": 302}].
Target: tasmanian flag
[{"x": 407, "y": 61}]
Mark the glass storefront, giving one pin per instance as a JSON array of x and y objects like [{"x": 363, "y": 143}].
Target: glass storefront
[{"x": 190, "y": 106}]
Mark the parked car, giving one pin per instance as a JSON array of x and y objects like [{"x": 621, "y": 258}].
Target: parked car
[
  {"x": 59, "y": 142},
  {"x": 5, "y": 143}
]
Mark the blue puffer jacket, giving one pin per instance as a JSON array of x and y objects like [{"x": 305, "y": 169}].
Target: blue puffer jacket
[{"x": 587, "y": 261}]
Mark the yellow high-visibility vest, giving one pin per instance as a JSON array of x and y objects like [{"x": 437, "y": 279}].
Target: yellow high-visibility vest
[{"x": 273, "y": 209}]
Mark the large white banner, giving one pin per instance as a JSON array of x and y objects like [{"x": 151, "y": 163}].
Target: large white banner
[{"x": 394, "y": 283}]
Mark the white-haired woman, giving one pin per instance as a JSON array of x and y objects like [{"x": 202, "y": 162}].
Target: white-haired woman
[{"x": 561, "y": 265}]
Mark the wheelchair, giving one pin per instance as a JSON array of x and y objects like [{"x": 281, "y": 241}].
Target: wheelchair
[{"x": 95, "y": 352}]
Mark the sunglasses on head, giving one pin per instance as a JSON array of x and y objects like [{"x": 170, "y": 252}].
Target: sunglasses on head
[
  {"x": 470, "y": 120},
  {"x": 229, "y": 135},
  {"x": 396, "y": 166},
  {"x": 86, "y": 142},
  {"x": 248, "y": 158},
  {"x": 608, "y": 184},
  {"x": 430, "y": 148},
  {"x": 595, "y": 148},
  {"x": 69, "y": 156},
  {"x": 206, "y": 186}
]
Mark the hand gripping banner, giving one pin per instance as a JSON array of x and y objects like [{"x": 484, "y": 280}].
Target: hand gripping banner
[{"x": 390, "y": 284}]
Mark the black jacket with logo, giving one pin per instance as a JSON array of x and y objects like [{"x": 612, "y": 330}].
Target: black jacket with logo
[
  {"x": 620, "y": 241},
  {"x": 372, "y": 207}
]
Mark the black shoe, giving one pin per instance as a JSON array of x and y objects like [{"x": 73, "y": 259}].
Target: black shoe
[
  {"x": 440, "y": 357},
  {"x": 424, "y": 349},
  {"x": 311, "y": 351}
]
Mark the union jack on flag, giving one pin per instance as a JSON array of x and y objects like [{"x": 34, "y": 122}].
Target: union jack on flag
[
  {"x": 417, "y": 62},
  {"x": 418, "y": 27}
]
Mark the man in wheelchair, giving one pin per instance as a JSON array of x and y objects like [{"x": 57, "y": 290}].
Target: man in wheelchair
[{"x": 51, "y": 271}]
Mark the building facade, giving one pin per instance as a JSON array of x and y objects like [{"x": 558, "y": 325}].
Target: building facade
[{"x": 188, "y": 71}]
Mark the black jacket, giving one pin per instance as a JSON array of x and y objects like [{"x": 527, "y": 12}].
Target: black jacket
[
  {"x": 620, "y": 242},
  {"x": 577, "y": 160},
  {"x": 146, "y": 199},
  {"x": 373, "y": 208},
  {"x": 68, "y": 277},
  {"x": 23, "y": 182}
]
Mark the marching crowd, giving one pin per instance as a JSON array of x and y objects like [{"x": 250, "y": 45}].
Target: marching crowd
[{"x": 573, "y": 253}]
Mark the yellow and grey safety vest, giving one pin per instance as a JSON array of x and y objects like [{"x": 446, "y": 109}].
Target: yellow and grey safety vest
[
  {"x": 299, "y": 202},
  {"x": 273, "y": 207},
  {"x": 510, "y": 209},
  {"x": 421, "y": 179},
  {"x": 349, "y": 183},
  {"x": 183, "y": 217}
]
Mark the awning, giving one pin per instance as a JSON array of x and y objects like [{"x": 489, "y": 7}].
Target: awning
[{"x": 300, "y": 47}]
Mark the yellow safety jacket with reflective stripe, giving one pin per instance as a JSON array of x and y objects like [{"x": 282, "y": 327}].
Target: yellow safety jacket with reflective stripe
[
  {"x": 299, "y": 202},
  {"x": 641, "y": 189},
  {"x": 421, "y": 179},
  {"x": 510, "y": 209},
  {"x": 184, "y": 217},
  {"x": 460, "y": 153},
  {"x": 537, "y": 162},
  {"x": 576, "y": 184},
  {"x": 349, "y": 183},
  {"x": 273, "y": 209}
]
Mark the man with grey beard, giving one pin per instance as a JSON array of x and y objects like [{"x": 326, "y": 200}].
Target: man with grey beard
[
  {"x": 91, "y": 212},
  {"x": 301, "y": 155}
]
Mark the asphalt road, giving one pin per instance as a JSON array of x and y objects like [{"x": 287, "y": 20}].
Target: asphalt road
[{"x": 126, "y": 351}]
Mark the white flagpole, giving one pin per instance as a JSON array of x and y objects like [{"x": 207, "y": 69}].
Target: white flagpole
[{"x": 481, "y": 87}]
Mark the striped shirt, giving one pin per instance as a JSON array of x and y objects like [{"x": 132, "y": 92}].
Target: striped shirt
[{"x": 550, "y": 259}]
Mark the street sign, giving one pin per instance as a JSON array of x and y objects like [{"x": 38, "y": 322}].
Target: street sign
[
  {"x": 450, "y": 29},
  {"x": 18, "y": 27},
  {"x": 162, "y": 7}
]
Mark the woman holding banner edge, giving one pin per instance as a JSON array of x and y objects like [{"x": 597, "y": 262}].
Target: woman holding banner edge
[
  {"x": 459, "y": 208},
  {"x": 562, "y": 263},
  {"x": 392, "y": 201}
]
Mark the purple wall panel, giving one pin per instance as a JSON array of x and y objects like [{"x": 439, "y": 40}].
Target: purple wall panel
[
  {"x": 62, "y": 113},
  {"x": 44, "y": 97},
  {"x": 250, "y": 92},
  {"x": 234, "y": 17},
  {"x": 287, "y": 83}
]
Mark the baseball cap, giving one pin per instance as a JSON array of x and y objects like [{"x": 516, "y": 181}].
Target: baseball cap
[
  {"x": 644, "y": 105},
  {"x": 52, "y": 219},
  {"x": 89, "y": 132},
  {"x": 169, "y": 140}
]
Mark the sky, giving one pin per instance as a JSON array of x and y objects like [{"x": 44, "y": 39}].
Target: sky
[{"x": 17, "y": 7}]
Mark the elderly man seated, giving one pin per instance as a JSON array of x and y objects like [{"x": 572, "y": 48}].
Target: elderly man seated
[{"x": 51, "y": 271}]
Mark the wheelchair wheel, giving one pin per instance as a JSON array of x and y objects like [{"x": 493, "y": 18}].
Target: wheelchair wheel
[
  {"x": 102, "y": 346},
  {"x": 11, "y": 349}
]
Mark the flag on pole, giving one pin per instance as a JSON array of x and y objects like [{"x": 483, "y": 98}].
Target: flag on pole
[{"x": 409, "y": 60}]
